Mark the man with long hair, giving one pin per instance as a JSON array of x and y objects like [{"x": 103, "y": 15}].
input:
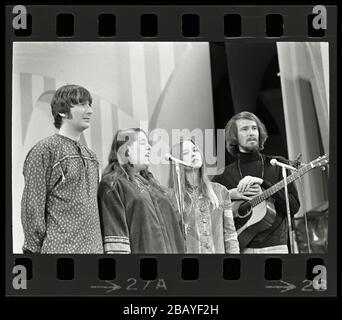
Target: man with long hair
[
  {"x": 252, "y": 173},
  {"x": 59, "y": 209}
]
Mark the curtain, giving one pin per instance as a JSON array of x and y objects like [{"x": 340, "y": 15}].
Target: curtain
[{"x": 304, "y": 71}]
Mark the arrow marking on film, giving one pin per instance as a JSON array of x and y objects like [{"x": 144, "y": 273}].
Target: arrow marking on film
[
  {"x": 285, "y": 287},
  {"x": 110, "y": 288}
]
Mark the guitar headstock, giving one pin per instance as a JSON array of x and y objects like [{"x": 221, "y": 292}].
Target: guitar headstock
[{"x": 320, "y": 161}]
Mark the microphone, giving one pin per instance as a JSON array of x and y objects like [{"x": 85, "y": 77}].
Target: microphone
[
  {"x": 169, "y": 157},
  {"x": 274, "y": 162}
]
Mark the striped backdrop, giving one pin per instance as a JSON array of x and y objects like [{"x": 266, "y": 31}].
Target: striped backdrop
[{"x": 141, "y": 85}]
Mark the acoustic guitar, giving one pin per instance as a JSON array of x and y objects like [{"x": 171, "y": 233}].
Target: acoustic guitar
[{"x": 258, "y": 214}]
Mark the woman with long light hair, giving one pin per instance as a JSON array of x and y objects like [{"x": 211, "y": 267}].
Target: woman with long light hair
[
  {"x": 136, "y": 212},
  {"x": 205, "y": 206}
]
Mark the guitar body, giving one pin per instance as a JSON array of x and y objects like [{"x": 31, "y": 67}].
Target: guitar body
[{"x": 251, "y": 221}]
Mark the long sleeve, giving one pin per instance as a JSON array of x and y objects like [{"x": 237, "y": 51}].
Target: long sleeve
[
  {"x": 280, "y": 199},
  {"x": 226, "y": 179},
  {"x": 231, "y": 242},
  {"x": 33, "y": 203},
  {"x": 113, "y": 220}
]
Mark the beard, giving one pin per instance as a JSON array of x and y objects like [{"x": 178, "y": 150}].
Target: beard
[{"x": 249, "y": 148}]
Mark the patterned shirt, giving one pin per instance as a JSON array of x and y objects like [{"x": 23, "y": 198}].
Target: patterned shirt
[
  {"x": 59, "y": 209},
  {"x": 210, "y": 230}
]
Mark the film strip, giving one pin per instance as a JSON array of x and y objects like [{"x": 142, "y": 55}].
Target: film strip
[{"x": 170, "y": 275}]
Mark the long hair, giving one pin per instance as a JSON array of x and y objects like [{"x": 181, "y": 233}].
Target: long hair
[
  {"x": 119, "y": 165},
  {"x": 232, "y": 135},
  {"x": 63, "y": 99},
  {"x": 205, "y": 187}
]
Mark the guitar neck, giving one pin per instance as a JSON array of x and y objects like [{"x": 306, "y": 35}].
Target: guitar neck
[{"x": 278, "y": 186}]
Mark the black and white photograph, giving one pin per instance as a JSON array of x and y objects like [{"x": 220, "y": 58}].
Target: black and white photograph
[{"x": 170, "y": 147}]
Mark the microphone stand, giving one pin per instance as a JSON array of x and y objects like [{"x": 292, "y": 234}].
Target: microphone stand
[
  {"x": 180, "y": 202},
  {"x": 291, "y": 237},
  {"x": 297, "y": 164}
]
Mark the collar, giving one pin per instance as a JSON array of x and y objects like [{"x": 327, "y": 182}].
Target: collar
[
  {"x": 67, "y": 139},
  {"x": 249, "y": 157}
]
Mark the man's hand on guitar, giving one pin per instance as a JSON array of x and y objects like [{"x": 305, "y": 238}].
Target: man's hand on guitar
[
  {"x": 246, "y": 182},
  {"x": 253, "y": 190},
  {"x": 236, "y": 195}
]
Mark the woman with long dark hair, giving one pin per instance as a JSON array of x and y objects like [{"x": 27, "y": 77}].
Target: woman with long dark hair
[
  {"x": 207, "y": 215},
  {"x": 136, "y": 212}
]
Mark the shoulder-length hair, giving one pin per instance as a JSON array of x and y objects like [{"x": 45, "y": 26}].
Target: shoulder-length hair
[
  {"x": 118, "y": 163},
  {"x": 232, "y": 136},
  {"x": 205, "y": 186}
]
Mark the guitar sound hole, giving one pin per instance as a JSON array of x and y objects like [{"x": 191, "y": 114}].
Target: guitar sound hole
[{"x": 245, "y": 210}]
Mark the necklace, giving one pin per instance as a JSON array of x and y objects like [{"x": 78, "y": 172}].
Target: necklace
[{"x": 262, "y": 166}]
